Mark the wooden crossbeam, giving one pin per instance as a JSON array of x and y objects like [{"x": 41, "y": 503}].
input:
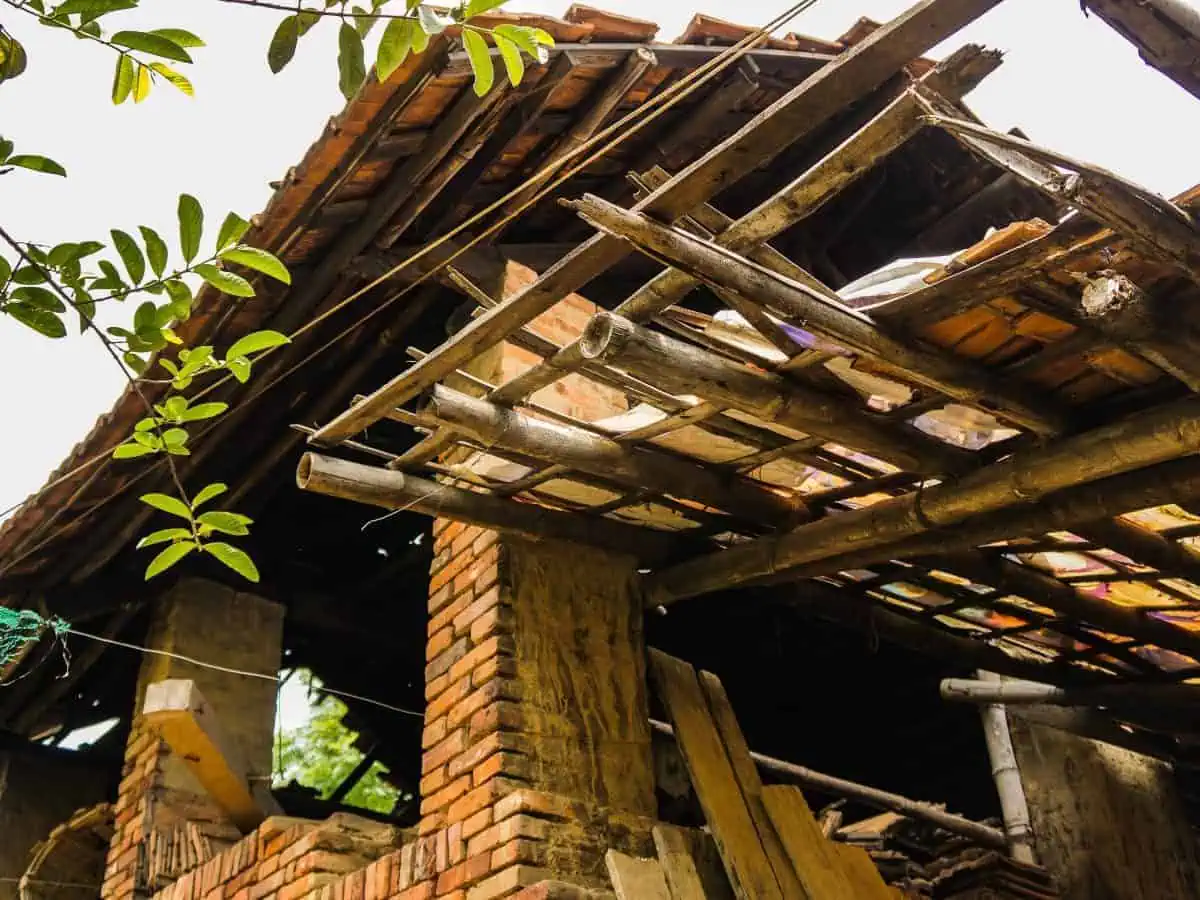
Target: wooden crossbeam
[
  {"x": 177, "y": 711},
  {"x": 847, "y": 78},
  {"x": 956, "y": 377},
  {"x": 1143, "y": 439}
]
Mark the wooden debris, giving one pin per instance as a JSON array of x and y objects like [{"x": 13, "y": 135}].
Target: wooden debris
[
  {"x": 678, "y": 866},
  {"x": 636, "y": 879}
]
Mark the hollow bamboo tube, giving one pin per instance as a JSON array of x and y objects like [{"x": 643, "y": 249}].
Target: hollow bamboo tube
[
  {"x": 1014, "y": 809},
  {"x": 684, "y": 368},
  {"x": 396, "y": 490}
]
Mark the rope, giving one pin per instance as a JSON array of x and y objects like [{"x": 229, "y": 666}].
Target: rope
[
  {"x": 20, "y": 628},
  {"x": 650, "y": 110}
]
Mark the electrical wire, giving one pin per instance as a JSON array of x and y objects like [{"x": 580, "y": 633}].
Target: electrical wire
[{"x": 636, "y": 120}]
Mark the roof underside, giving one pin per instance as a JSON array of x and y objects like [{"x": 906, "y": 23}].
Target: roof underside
[{"x": 958, "y": 370}]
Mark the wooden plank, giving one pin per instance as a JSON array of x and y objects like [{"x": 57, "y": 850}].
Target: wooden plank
[
  {"x": 812, "y": 856},
  {"x": 675, "y": 857},
  {"x": 178, "y": 712},
  {"x": 860, "y": 872},
  {"x": 844, "y": 80},
  {"x": 636, "y": 879},
  {"x": 733, "y": 829},
  {"x": 747, "y": 775}
]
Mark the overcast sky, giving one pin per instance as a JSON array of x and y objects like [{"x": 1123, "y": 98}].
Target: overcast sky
[{"x": 1069, "y": 81}]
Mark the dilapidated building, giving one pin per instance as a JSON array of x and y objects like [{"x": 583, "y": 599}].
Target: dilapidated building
[{"x": 760, "y": 351}]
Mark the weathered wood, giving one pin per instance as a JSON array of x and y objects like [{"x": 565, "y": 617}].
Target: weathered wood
[
  {"x": 636, "y": 467},
  {"x": 861, "y": 874},
  {"x": 396, "y": 490},
  {"x": 713, "y": 777},
  {"x": 847, "y": 78},
  {"x": 675, "y": 857},
  {"x": 1165, "y": 32},
  {"x": 747, "y": 776},
  {"x": 684, "y": 368},
  {"x": 1143, "y": 439},
  {"x": 813, "y": 858},
  {"x": 177, "y": 711},
  {"x": 636, "y": 879},
  {"x": 721, "y": 268}
]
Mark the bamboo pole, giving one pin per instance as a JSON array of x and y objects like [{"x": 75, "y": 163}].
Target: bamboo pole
[
  {"x": 683, "y": 368},
  {"x": 395, "y": 490},
  {"x": 1153, "y": 436},
  {"x": 1018, "y": 829},
  {"x": 635, "y": 467},
  {"x": 844, "y": 80},
  {"x": 1028, "y": 693},
  {"x": 726, "y": 270},
  {"x": 981, "y": 834}
]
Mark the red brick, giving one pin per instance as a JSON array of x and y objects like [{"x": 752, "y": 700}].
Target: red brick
[
  {"x": 431, "y": 823},
  {"x": 434, "y": 732},
  {"x": 306, "y": 885},
  {"x": 481, "y": 750},
  {"x": 478, "y": 798},
  {"x": 512, "y": 765},
  {"x": 500, "y": 645},
  {"x": 484, "y": 540},
  {"x": 519, "y": 826},
  {"x": 499, "y": 620},
  {"x": 448, "y": 572},
  {"x": 439, "y": 642},
  {"x": 540, "y": 804},
  {"x": 447, "y": 795},
  {"x": 501, "y": 714},
  {"x": 472, "y": 825},
  {"x": 447, "y": 613},
  {"x": 444, "y": 751},
  {"x": 516, "y": 851},
  {"x": 488, "y": 601},
  {"x": 417, "y": 892},
  {"x": 454, "y": 692},
  {"x": 439, "y": 598},
  {"x": 456, "y": 846},
  {"x": 433, "y": 781},
  {"x": 481, "y": 574},
  {"x": 449, "y": 660},
  {"x": 506, "y": 882}
]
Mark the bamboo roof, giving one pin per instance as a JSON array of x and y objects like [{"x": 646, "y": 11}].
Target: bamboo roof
[{"x": 791, "y": 390}]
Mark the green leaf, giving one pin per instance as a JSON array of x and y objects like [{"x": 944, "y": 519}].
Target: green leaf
[
  {"x": 40, "y": 320},
  {"x": 36, "y": 164},
  {"x": 363, "y": 21},
  {"x": 123, "y": 79},
  {"x": 514, "y": 65},
  {"x": 191, "y": 226},
  {"x": 208, "y": 492},
  {"x": 178, "y": 36},
  {"x": 203, "y": 411},
  {"x": 148, "y": 42},
  {"x": 168, "y": 504},
  {"x": 177, "y": 79},
  {"x": 394, "y": 47},
  {"x": 5, "y": 271},
  {"x": 431, "y": 21},
  {"x": 420, "y": 40},
  {"x": 162, "y": 536},
  {"x": 156, "y": 249},
  {"x": 89, "y": 10},
  {"x": 352, "y": 68},
  {"x": 134, "y": 361},
  {"x": 39, "y": 297},
  {"x": 239, "y": 367},
  {"x": 168, "y": 558},
  {"x": 258, "y": 340},
  {"x": 283, "y": 44},
  {"x": 142, "y": 84},
  {"x": 13, "y": 58},
  {"x": 478, "y": 7},
  {"x": 523, "y": 37},
  {"x": 234, "y": 558},
  {"x": 175, "y": 437},
  {"x": 132, "y": 450},
  {"x": 131, "y": 255},
  {"x": 145, "y": 320},
  {"x": 226, "y": 522},
  {"x": 231, "y": 231},
  {"x": 225, "y": 282},
  {"x": 259, "y": 261},
  {"x": 481, "y": 61},
  {"x": 29, "y": 275},
  {"x": 6, "y": 149}
]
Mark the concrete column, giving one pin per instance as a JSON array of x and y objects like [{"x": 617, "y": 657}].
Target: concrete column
[
  {"x": 216, "y": 624},
  {"x": 1108, "y": 823},
  {"x": 39, "y": 789}
]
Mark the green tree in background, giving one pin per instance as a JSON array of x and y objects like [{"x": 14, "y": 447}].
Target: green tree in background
[{"x": 320, "y": 754}]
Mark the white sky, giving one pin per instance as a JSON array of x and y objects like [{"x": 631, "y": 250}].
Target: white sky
[{"x": 1071, "y": 83}]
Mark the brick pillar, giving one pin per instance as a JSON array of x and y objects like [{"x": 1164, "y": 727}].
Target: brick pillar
[
  {"x": 1108, "y": 823},
  {"x": 536, "y": 743},
  {"x": 216, "y": 624}
]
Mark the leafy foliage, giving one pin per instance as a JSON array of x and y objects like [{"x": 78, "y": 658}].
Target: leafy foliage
[
  {"x": 320, "y": 755},
  {"x": 47, "y": 289}
]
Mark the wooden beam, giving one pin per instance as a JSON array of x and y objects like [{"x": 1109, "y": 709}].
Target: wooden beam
[
  {"x": 177, "y": 711},
  {"x": 842, "y": 81},
  {"x": 635, "y": 467},
  {"x": 724, "y": 269},
  {"x": 1154, "y": 436},
  {"x": 684, "y": 368},
  {"x": 395, "y": 490}
]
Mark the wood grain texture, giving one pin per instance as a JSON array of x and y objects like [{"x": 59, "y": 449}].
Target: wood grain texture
[
  {"x": 636, "y": 879},
  {"x": 675, "y": 857}
]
